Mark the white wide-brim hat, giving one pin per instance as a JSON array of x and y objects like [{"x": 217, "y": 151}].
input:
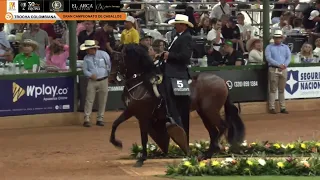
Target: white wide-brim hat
[
  {"x": 277, "y": 33},
  {"x": 181, "y": 19},
  {"x": 31, "y": 42},
  {"x": 88, "y": 44}
]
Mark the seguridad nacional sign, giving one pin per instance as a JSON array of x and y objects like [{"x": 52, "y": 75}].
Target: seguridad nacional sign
[{"x": 303, "y": 82}]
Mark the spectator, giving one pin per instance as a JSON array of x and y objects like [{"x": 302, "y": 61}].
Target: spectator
[
  {"x": 38, "y": 35},
  {"x": 224, "y": 19},
  {"x": 317, "y": 49},
  {"x": 189, "y": 12},
  {"x": 306, "y": 54},
  {"x": 60, "y": 27},
  {"x": 215, "y": 40},
  {"x": 159, "y": 46},
  {"x": 4, "y": 43},
  {"x": 28, "y": 58},
  {"x": 310, "y": 17},
  {"x": 215, "y": 34},
  {"x": 146, "y": 40},
  {"x": 232, "y": 57},
  {"x": 87, "y": 34},
  {"x": 245, "y": 28},
  {"x": 57, "y": 54},
  {"x": 277, "y": 10},
  {"x": 283, "y": 25},
  {"x": 80, "y": 27},
  {"x": 232, "y": 32},
  {"x": 138, "y": 14},
  {"x": 297, "y": 26},
  {"x": 48, "y": 27},
  {"x": 8, "y": 55},
  {"x": 254, "y": 47},
  {"x": 96, "y": 67},
  {"x": 104, "y": 36},
  {"x": 129, "y": 34},
  {"x": 278, "y": 56},
  {"x": 205, "y": 25},
  {"x": 219, "y": 9}
]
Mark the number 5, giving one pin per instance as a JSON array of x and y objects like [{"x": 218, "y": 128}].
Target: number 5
[{"x": 179, "y": 84}]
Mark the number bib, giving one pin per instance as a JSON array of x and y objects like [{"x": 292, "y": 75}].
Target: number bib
[{"x": 180, "y": 87}]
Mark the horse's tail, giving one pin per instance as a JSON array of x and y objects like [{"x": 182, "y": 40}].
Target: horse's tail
[{"x": 236, "y": 128}]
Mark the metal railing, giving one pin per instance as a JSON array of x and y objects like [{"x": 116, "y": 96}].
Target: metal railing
[{"x": 208, "y": 6}]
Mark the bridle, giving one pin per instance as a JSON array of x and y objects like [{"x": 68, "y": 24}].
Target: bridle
[{"x": 122, "y": 70}]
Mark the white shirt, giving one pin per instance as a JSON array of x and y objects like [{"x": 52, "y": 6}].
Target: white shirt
[
  {"x": 255, "y": 56},
  {"x": 175, "y": 38},
  {"x": 317, "y": 51},
  {"x": 244, "y": 29},
  {"x": 217, "y": 11},
  {"x": 212, "y": 34}
]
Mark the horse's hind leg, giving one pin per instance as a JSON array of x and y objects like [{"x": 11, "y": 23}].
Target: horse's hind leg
[
  {"x": 215, "y": 132},
  {"x": 144, "y": 125},
  {"x": 125, "y": 115}
]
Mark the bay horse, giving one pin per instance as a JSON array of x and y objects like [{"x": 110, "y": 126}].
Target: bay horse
[{"x": 209, "y": 94}]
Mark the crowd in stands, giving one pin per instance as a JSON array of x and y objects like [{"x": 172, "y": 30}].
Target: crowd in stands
[{"x": 230, "y": 38}]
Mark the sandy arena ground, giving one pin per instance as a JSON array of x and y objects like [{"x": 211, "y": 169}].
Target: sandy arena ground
[{"x": 77, "y": 153}]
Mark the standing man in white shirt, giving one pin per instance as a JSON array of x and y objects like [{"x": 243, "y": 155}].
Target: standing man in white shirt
[{"x": 219, "y": 9}]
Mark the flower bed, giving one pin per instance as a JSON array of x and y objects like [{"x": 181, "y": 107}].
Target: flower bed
[
  {"x": 304, "y": 148},
  {"x": 247, "y": 167}
]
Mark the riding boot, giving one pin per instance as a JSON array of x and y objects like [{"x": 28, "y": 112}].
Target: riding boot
[{"x": 172, "y": 113}]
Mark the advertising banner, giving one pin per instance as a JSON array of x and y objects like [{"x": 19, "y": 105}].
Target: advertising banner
[
  {"x": 246, "y": 85},
  {"x": 303, "y": 82},
  {"x": 36, "y": 96}
]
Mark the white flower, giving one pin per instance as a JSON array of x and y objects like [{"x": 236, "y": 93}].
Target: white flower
[
  {"x": 304, "y": 161},
  {"x": 198, "y": 145},
  {"x": 262, "y": 162},
  {"x": 148, "y": 146},
  {"x": 226, "y": 148},
  {"x": 153, "y": 147},
  {"x": 244, "y": 143},
  {"x": 191, "y": 144},
  {"x": 224, "y": 163},
  {"x": 229, "y": 160},
  {"x": 185, "y": 159},
  {"x": 283, "y": 146}
]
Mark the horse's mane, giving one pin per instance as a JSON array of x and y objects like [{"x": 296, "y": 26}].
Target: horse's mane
[{"x": 137, "y": 58}]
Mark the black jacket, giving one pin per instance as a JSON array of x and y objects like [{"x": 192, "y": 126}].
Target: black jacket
[{"x": 179, "y": 57}]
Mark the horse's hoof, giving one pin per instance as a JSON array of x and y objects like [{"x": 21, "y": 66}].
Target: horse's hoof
[
  {"x": 116, "y": 143},
  {"x": 138, "y": 164},
  {"x": 203, "y": 157}
]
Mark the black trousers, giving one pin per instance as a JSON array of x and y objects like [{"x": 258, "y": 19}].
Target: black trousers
[{"x": 178, "y": 106}]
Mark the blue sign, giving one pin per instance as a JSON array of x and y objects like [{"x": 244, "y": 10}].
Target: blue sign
[{"x": 36, "y": 96}]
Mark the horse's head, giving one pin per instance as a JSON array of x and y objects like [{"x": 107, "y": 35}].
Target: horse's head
[{"x": 129, "y": 64}]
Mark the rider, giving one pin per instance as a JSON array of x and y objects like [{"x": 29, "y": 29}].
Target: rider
[{"x": 177, "y": 59}]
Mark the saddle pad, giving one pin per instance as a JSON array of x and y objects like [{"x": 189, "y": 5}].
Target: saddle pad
[{"x": 180, "y": 87}]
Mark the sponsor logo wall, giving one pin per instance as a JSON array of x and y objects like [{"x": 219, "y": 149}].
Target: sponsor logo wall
[
  {"x": 36, "y": 96},
  {"x": 303, "y": 82}
]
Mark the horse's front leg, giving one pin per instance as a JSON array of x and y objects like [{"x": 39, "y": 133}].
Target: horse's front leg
[
  {"x": 125, "y": 115},
  {"x": 144, "y": 140}
]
